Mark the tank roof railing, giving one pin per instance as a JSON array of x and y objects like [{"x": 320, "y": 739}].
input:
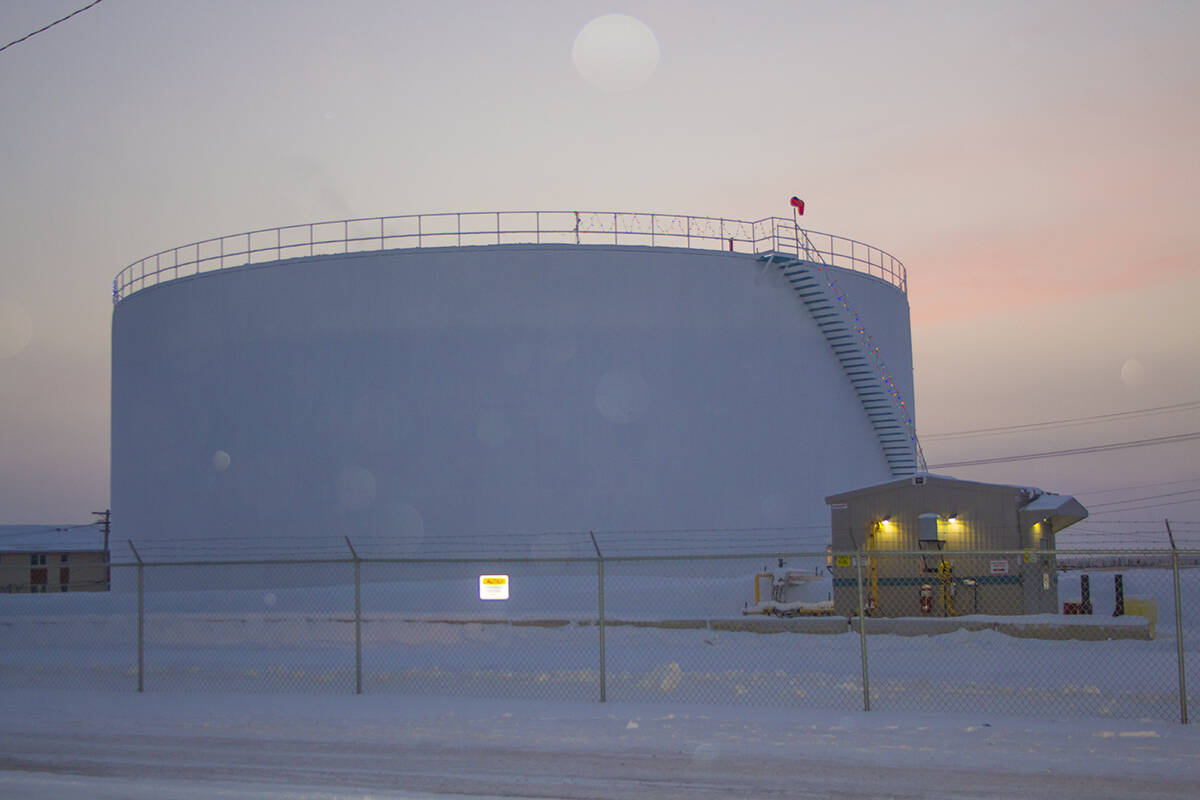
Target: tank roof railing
[{"x": 467, "y": 228}]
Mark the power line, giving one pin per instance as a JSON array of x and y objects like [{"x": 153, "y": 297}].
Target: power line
[
  {"x": 1100, "y": 448},
  {"x": 51, "y": 25},
  {"x": 1063, "y": 423},
  {"x": 1140, "y": 499},
  {"x": 1152, "y": 505},
  {"x": 1140, "y": 521},
  {"x": 1130, "y": 488},
  {"x": 43, "y": 529}
]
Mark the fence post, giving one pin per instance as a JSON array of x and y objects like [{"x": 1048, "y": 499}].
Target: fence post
[
  {"x": 141, "y": 622},
  {"x": 357, "y": 618},
  {"x": 1178, "y": 628},
  {"x": 600, "y": 589},
  {"x": 862, "y": 635}
]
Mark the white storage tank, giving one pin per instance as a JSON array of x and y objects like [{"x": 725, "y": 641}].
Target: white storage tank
[{"x": 418, "y": 381}]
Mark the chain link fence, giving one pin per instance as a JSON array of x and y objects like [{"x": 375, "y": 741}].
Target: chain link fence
[{"x": 961, "y": 631}]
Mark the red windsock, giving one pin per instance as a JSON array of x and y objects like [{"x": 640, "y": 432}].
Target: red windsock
[{"x": 798, "y": 204}]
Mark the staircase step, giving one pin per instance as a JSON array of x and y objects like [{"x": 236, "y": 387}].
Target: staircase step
[{"x": 854, "y": 356}]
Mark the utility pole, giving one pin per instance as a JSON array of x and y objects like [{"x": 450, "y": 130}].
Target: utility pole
[{"x": 105, "y": 523}]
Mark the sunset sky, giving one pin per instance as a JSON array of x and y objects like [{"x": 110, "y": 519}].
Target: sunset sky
[{"x": 1034, "y": 164}]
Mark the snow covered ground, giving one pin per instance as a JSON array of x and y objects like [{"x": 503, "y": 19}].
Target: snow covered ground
[
  {"x": 268, "y": 747},
  {"x": 249, "y": 693},
  {"x": 434, "y": 637}
]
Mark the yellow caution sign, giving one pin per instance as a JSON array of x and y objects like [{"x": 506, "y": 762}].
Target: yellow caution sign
[{"x": 493, "y": 587}]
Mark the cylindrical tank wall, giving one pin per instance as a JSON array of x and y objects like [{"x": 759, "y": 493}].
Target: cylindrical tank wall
[{"x": 428, "y": 394}]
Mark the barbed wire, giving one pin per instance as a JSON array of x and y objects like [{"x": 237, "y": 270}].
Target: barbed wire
[{"x": 577, "y": 544}]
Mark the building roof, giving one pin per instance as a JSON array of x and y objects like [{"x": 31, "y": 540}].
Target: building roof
[
  {"x": 1061, "y": 510},
  {"x": 50, "y": 538},
  {"x": 923, "y": 478}
]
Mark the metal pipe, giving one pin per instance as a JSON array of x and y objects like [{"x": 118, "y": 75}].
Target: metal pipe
[
  {"x": 600, "y": 589},
  {"x": 862, "y": 636},
  {"x": 141, "y": 618},
  {"x": 357, "y": 618},
  {"x": 1183, "y": 717},
  {"x": 141, "y": 628}
]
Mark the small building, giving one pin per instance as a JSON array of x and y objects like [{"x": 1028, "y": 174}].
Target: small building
[
  {"x": 936, "y": 545},
  {"x": 52, "y": 559}
]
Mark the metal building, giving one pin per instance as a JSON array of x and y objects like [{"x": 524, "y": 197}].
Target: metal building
[
  {"x": 413, "y": 381},
  {"x": 909, "y": 535}
]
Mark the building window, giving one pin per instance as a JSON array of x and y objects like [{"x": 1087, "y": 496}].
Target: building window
[
  {"x": 64, "y": 558},
  {"x": 37, "y": 559},
  {"x": 63, "y": 588}
]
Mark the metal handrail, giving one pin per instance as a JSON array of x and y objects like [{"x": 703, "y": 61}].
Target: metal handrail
[{"x": 466, "y": 228}]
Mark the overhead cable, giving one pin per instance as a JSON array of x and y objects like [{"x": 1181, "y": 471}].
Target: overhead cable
[
  {"x": 1128, "y": 500},
  {"x": 1075, "y": 451},
  {"x": 1152, "y": 505},
  {"x": 1063, "y": 423},
  {"x": 51, "y": 25},
  {"x": 1091, "y": 492},
  {"x": 43, "y": 529}
]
